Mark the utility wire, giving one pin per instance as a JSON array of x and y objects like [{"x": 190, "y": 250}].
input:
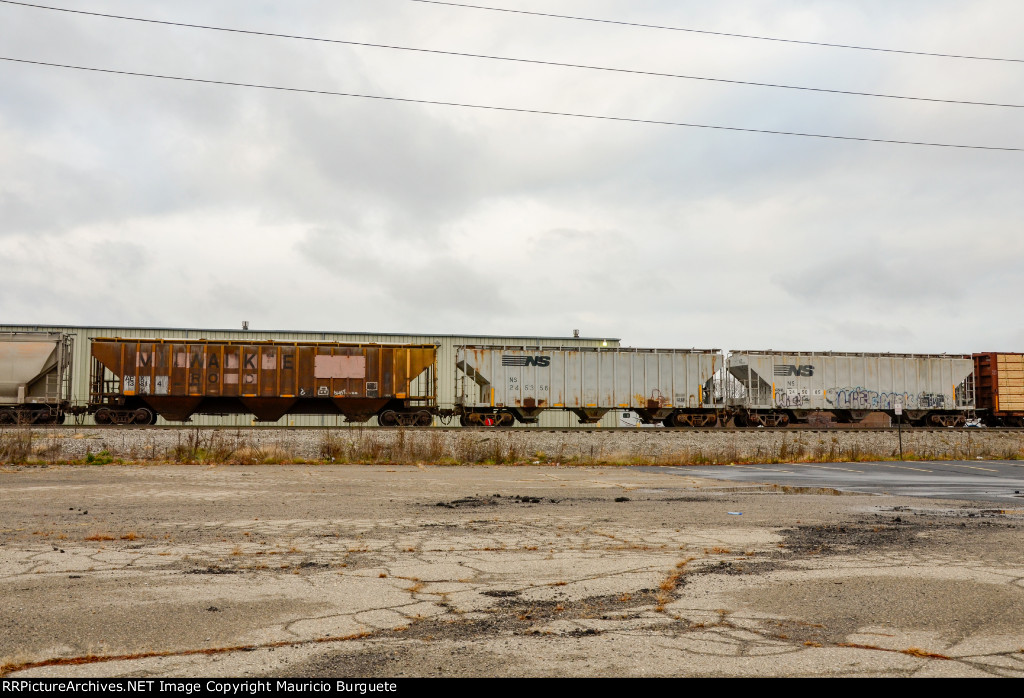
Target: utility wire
[
  {"x": 515, "y": 60},
  {"x": 714, "y": 33},
  {"x": 507, "y": 109}
]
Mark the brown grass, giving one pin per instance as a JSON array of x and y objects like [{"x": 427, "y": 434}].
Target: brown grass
[
  {"x": 670, "y": 582},
  {"x": 669, "y": 585},
  {"x": 918, "y": 652},
  {"x": 912, "y": 651},
  {"x": 10, "y": 668},
  {"x": 15, "y": 446},
  {"x": 357, "y": 445},
  {"x": 502, "y": 447},
  {"x": 99, "y": 536}
]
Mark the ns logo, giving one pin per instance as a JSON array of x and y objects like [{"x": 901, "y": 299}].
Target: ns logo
[
  {"x": 804, "y": 371},
  {"x": 507, "y": 360}
]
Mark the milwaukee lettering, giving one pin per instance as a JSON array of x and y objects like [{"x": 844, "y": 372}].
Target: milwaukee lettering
[
  {"x": 790, "y": 370},
  {"x": 507, "y": 360}
]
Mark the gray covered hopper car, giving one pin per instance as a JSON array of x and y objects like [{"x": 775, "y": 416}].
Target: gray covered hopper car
[
  {"x": 780, "y": 387},
  {"x": 35, "y": 377},
  {"x": 498, "y": 385}
]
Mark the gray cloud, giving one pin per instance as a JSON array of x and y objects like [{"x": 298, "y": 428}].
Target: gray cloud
[{"x": 155, "y": 202}]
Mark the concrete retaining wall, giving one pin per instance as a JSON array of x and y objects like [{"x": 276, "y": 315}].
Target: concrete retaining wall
[{"x": 435, "y": 446}]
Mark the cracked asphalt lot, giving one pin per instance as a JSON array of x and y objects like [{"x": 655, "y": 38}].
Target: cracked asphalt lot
[{"x": 494, "y": 571}]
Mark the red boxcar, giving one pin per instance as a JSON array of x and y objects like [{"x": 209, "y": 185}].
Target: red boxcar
[{"x": 999, "y": 388}]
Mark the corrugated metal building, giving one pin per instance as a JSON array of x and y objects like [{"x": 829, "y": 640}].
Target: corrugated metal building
[{"x": 446, "y": 344}]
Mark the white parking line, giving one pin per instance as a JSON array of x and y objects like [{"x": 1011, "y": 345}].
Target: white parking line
[
  {"x": 974, "y": 467},
  {"x": 823, "y": 467},
  {"x": 768, "y": 470},
  {"x": 904, "y": 467}
]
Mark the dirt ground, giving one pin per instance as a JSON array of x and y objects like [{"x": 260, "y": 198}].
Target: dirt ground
[{"x": 363, "y": 571}]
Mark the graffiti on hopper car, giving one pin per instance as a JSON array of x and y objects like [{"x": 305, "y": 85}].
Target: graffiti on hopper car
[
  {"x": 861, "y": 399},
  {"x": 793, "y": 397}
]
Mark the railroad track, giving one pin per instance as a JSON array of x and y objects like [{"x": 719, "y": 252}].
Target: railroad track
[{"x": 506, "y": 430}]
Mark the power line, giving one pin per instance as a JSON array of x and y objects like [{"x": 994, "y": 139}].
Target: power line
[
  {"x": 714, "y": 33},
  {"x": 515, "y": 60},
  {"x": 508, "y": 109}
]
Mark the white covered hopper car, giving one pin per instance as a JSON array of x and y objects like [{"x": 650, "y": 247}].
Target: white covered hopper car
[
  {"x": 496, "y": 386},
  {"x": 782, "y": 387},
  {"x": 35, "y": 377}
]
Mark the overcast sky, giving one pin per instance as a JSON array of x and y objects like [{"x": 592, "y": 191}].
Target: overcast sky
[{"x": 138, "y": 201}]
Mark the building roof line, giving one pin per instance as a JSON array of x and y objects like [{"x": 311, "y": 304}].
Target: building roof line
[{"x": 45, "y": 327}]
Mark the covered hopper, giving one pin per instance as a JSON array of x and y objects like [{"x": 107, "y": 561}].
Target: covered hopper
[
  {"x": 782, "y": 386},
  {"x": 670, "y": 385},
  {"x": 35, "y": 376},
  {"x": 133, "y": 380}
]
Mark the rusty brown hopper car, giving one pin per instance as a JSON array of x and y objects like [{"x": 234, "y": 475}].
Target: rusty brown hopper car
[
  {"x": 134, "y": 380},
  {"x": 999, "y": 380}
]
